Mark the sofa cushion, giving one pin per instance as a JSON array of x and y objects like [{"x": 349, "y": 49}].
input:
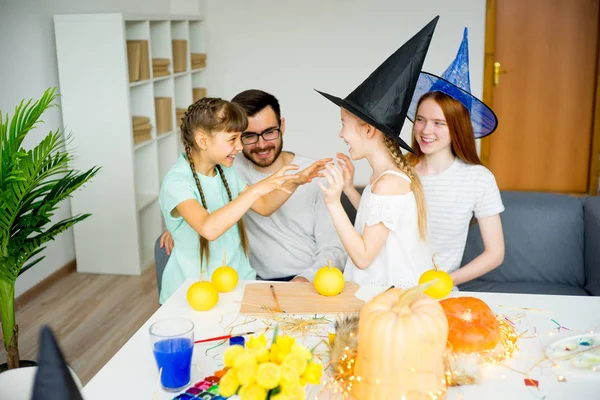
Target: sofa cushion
[
  {"x": 592, "y": 245},
  {"x": 544, "y": 242},
  {"x": 478, "y": 285}
]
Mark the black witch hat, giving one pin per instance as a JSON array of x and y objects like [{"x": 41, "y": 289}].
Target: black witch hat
[
  {"x": 382, "y": 100},
  {"x": 53, "y": 380}
]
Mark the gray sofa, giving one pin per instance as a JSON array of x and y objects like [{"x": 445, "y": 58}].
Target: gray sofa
[{"x": 552, "y": 245}]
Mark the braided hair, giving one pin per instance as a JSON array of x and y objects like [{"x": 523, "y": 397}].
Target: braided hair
[
  {"x": 212, "y": 115},
  {"x": 415, "y": 184}
]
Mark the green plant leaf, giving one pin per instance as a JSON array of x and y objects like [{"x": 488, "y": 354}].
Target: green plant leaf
[{"x": 33, "y": 183}]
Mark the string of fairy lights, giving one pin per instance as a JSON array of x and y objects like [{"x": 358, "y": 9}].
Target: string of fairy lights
[{"x": 343, "y": 378}]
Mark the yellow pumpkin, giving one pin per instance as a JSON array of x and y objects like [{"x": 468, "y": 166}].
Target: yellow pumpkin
[
  {"x": 442, "y": 285},
  {"x": 402, "y": 338},
  {"x": 329, "y": 281},
  {"x": 224, "y": 278},
  {"x": 202, "y": 296}
]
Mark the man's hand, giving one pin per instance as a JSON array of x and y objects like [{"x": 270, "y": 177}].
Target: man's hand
[
  {"x": 299, "y": 279},
  {"x": 166, "y": 241},
  {"x": 311, "y": 172}
]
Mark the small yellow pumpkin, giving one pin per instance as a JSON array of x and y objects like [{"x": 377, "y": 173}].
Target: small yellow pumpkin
[
  {"x": 202, "y": 296},
  {"x": 224, "y": 278},
  {"x": 402, "y": 338},
  {"x": 329, "y": 281},
  {"x": 443, "y": 283}
]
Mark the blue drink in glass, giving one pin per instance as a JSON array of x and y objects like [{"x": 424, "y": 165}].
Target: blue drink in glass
[
  {"x": 174, "y": 360},
  {"x": 173, "y": 345}
]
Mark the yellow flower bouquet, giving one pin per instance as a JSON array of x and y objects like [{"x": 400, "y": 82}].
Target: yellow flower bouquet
[{"x": 279, "y": 372}]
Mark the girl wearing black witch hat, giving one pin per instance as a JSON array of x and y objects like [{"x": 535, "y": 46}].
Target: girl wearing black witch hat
[{"x": 387, "y": 245}]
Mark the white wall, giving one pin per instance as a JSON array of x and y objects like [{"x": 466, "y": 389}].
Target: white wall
[
  {"x": 289, "y": 48},
  {"x": 28, "y": 67}
]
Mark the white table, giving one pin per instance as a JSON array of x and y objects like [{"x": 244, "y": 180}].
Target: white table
[{"x": 132, "y": 372}]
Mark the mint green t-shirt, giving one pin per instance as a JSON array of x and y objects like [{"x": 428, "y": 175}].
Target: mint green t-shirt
[{"x": 184, "y": 263}]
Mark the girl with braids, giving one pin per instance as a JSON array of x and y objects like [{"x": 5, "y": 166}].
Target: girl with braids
[
  {"x": 447, "y": 120},
  {"x": 387, "y": 245},
  {"x": 203, "y": 199}
]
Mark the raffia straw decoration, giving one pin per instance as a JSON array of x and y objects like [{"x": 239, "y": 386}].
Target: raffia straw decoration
[
  {"x": 298, "y": 325},
  {"x": 343, "y": 351}
]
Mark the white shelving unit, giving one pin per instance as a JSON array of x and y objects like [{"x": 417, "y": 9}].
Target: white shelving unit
[{"x": 98, "y": 102}]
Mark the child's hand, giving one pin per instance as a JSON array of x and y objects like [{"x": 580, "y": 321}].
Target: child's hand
[
  {"x": 166, "y": 241},
  {"x": 335, "y": 178},
  {"x": 348, "y": 169},
  {"x": 275, "y": 181},
  {"x": 311, "y": 172}
]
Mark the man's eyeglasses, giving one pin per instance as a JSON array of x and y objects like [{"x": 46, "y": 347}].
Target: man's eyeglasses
[{"x": 252, "y": 137}]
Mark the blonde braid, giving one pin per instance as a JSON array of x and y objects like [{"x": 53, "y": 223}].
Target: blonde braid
[
  {"x": 240, "y": 223},
  {"x": 415, "y": 185},
  {"x": 204, "y": 247}
]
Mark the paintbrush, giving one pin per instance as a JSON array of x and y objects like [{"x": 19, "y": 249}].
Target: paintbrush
[
  {"x": 225, "y": 337},
  {"x": 275, "y": 298}
]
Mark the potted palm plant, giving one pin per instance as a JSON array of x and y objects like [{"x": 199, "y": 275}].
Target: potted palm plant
[{"x": 32, "y": 184}]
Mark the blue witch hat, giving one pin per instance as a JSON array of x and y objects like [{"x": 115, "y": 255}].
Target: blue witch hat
[{"x": 455, "y": 82}]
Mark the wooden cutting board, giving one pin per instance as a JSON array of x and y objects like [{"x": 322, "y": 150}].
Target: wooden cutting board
[{"x": 298, "y": 298}]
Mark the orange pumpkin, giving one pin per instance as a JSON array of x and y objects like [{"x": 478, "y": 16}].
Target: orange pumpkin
[
  {"x": 472, "y": 326},
  {"x": 402, "y": 340}
]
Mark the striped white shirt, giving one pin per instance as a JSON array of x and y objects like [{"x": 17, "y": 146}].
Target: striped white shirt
[{"x": 453, "y": 197}]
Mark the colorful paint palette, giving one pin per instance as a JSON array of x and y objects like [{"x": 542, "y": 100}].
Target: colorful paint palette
[
  {"x": 206, "y": 389},
  {"x": 577, "y": 353}
]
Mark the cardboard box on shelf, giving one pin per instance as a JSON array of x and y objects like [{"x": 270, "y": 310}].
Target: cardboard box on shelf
[
  {"x": 160, "y": 67},
  {"x": 142, "y": 128},
  {"x": 145, "y": 61},
  {"x": 180, "y": 114},
  {"x": 179, "y": 55},
  {"x": 139, "y": 120},
  {"x": 198, "y": 60},
  {"x": 138, "y": 59},
  {"x": 198, "y": 93},
  {"x": 141, "y": 133},
  {"x": 164, "y": 114},
  {"x": 199, "y": 56},
  {"x": 140, "y": 138},
  {"x": 134, "y": 49},
  {"x": 156, "y": 72},
  {"x": 160, "y": 62}
]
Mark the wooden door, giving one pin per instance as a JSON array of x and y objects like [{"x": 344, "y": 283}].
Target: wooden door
[{"x": 548, "y": 52}]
